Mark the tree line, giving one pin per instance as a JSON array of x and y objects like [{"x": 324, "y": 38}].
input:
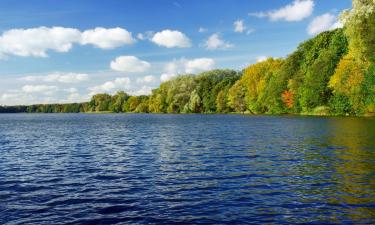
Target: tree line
[{"x": 333, "y": 73}]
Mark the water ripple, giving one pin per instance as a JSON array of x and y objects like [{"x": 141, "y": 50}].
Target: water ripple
[{"x": 186, "y": 169}]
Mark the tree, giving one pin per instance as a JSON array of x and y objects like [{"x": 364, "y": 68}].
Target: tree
[
  {"x": 195, "y": 103},
  {"x": 221, "y": 102},
  {"x": 360, "y": 29},
  {"x": 131, "y": 104},
  {"x": 236, "y": 97},
  {"x": 288, "y": 99},
  {"x": 100, "y": 102},
  {"x": 118, "y": 101},
  {"x": 254, "y": 80},
  {"x": 347, "y": 81}
]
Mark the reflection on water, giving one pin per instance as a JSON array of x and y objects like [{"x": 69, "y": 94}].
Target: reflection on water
[
  {"x": 89, "y": 169},
  {"x": 355, "y": 169}
]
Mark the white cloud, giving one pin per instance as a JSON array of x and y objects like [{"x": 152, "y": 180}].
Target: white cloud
[
  {"x": 261, "y": 58},
  {"x": 167, "y": 76},
  {"x": 38, "y": 41},
  {"x": 186, "y": 66},
  {"x": 59, "y": 77},
  {"x": 140, "y": 36},
  {"x": 74, "y": 96},
  {"x": 197, "y": 65},
  {"x": 322, "y": 23},
  {"x": 111, "y": 86},
  {"x": 129, "y": 64},
  {"x": 107, "y": 38},
  {"x": 144, "y": 90},
  {"x": 9, "y": 96},
  {"x": 43, "y": 89},
  {"x": 215, "y": 42},
  {"x": 146, "y": 79},
  {"x": 296, "y": 11},
  {"x": 239, "y": 26},
  {"x": 171, "y": 39},
  {"x": 174, "y": 67},
  {"x": 16, "y": 98}
]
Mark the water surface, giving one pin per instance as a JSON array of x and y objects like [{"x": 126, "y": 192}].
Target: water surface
[{"x": 166, "y": 169}]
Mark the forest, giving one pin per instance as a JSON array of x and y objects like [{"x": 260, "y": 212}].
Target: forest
[{"x": 330, "y": 74}]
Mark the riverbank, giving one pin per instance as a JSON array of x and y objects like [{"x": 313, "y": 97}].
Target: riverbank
[{"x": 247, "y": 113}]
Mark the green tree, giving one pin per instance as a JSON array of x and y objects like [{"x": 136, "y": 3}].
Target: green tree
[
  {"x": 118, "y": 101},
  {"x": 100, "y": 102},
  {"x": 195, "y": 103}
]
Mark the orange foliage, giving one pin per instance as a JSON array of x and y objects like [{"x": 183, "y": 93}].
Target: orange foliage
[{"x": 288, "y": 99}]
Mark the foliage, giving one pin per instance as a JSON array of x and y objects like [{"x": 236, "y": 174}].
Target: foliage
[
  {"x": 360, "y": 29},
  {"x": 368, "y": 87},
  {"x": 193, "y": 94},
  {"x": 248, "y": 92},
  {"x": 288, "y": 99}
]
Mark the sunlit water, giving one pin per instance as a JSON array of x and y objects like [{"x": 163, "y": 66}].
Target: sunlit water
[{"x": 219, "y": 169}]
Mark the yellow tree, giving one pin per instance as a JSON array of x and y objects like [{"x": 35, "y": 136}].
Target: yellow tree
[
  {"x": 348, "y": 79},
  {"x": 255, "y": 79}
]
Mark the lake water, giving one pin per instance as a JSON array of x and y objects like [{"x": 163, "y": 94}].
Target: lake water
[{"x": 167, "y": 169}]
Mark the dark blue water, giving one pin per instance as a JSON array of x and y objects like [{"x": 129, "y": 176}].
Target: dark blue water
[{"x": 167, "y": 169}]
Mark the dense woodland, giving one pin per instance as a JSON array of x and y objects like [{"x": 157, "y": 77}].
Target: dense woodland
[{"x": 331, "y": 74}]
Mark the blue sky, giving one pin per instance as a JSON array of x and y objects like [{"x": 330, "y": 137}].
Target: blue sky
[{"x": 55, "y": 51}]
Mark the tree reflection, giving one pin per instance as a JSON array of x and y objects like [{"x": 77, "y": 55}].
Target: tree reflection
[{"x": 355, "y": 166}]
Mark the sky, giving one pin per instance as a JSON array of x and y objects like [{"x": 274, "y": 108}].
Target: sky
[{"x": 54, "y": 51}]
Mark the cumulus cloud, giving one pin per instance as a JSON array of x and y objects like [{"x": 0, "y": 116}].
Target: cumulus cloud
[
  {"x": 129, "y": 64},
  {"x": 239, "y": 26},
  {"x": 44, "y": 89},
  {"x": 111, "y": 86},
  {"x": 296, "y": 11},
  {"x": 171, "y": 39},
  {"x": 322, "y": 23},
  {"x": 215, "y": 42},
  {"x": 146, "y": 79},
  {"x": 38, "y": 41},
  {"x": 197, "y": 65},
  {"x": 107, "y": 38},
  {"x": 59, "y": 77},
  {"x": 172, "y": 69}
]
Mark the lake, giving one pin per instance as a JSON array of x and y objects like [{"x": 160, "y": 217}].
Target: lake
[{"x": 169, "y": 169}]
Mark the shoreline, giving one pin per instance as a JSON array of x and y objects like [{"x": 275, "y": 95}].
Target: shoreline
[{"x": 367, "y": 115}]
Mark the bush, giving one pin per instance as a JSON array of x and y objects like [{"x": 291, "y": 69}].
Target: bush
[{"x": 340, "y": 105}]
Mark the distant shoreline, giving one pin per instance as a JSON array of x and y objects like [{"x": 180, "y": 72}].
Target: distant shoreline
[{"x": 367, "y": 115}]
